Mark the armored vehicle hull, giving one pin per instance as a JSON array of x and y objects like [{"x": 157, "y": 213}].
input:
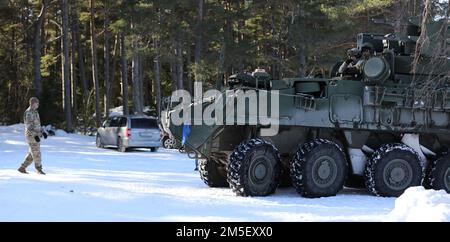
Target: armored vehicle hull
[{"x": 385, "y": 127}]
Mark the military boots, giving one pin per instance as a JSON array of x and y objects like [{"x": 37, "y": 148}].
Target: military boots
[
  {"x": 22, "y": 170},
  {"x": 40, "y": 171}
]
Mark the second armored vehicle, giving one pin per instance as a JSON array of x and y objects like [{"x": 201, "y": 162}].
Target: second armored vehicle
[{"x": 384, "y": 125}]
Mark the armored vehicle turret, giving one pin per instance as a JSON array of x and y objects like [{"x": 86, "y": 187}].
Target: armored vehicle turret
[{"x": 386, "y": 123}]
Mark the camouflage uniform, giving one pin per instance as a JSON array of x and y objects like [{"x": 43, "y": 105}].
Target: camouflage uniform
[{"x": 32, "y": 129}]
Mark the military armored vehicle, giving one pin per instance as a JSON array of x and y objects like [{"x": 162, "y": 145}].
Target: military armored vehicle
[{"x": 384, "y": 125}]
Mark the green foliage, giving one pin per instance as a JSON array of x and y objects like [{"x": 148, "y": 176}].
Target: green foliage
[
  {"x": 354, "y": 7},
  {"x": 47, "y": 61}
]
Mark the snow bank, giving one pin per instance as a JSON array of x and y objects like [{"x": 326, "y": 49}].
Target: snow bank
[
  {"x": 18, "y": 127},
  {"x": 60, "y": 132},
  {"x": 117, "y": 111},
  {"x": 418, "y": 204}
]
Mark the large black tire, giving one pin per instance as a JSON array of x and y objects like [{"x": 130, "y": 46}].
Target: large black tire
[
  {"x": 319, "y": 169},
  {"x": 254, "y": 168},
  {"x": 439, "y": 177},
  {"x": 212, "y": 173},
  {"x": 392, "y": 169}
]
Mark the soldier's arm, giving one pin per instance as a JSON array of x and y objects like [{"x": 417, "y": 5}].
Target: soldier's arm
[
  {"x": 343, "y": 67},
  {"x": 359, "y": 66},
  {"x": 37, "y": 127}
]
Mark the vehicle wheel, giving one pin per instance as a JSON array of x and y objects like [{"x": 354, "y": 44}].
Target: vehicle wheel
[
  {"x": 153, "y": 149},
  {"x": 440, "y": 174},
  {"x": 212, "y": 173},
  {"x": 254, "y": 168},
  {"x": 319, "y": 169},
  {"x": 167, "y": 142},
  {"x": 392, "y": 169},
  {"x": 98, "y": 142},
  {"x": 120, "y": 146}
]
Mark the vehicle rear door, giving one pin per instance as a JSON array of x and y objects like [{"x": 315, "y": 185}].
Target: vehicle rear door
[{"x": 144, "y": 129}]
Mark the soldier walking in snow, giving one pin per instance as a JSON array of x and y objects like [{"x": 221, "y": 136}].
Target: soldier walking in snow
[{"x": 33, "y": 135}]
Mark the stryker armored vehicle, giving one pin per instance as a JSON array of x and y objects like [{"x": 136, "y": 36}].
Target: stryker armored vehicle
[{"x": 387, "y": 125}]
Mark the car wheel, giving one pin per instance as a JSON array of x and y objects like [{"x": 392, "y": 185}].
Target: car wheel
[
  {"x": 98, "y": 142},
  {"x": 168, "y": 143},
  {"x": 120, "y": 146}
]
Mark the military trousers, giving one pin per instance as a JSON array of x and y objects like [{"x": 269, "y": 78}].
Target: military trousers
[{"x": 34, "y": 154}]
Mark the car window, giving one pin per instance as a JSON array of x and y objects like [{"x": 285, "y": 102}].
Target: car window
[
  {"x": 123, "y": 122},
  {"x": 114, "y": 122},
  {"x": 107, "y": 123},
  {"x": 144, "y": 123}
]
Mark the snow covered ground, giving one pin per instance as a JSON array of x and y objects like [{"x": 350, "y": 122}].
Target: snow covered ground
[{"x": 84, "y": 183}]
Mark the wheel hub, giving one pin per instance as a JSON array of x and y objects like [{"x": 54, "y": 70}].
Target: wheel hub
[
  {"x": 324, "y": 171},
  {"x": 260, "y": 171},
  {"x": 168, "y": 143},
  {"x": 398, "y": 174}
]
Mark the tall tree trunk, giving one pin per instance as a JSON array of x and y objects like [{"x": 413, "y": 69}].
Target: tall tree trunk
[
  {"x": 65, "y": 66},
  {"x": 302, "y": 61},
  {"x": 94, "y": 64},
  {"x": 157, "y": 63},
  {"x": 113, "y": 68},
  {"x": 302, "y": 41},
  {"x": 81, "y": 63},
  {"x": 173, "y": 73},
  {"x": 189, "y": 74},
  {"x": 142, "y": 84},
  {"x": 227, "y": 41},
  {"x": 199, "y": 36},
  {"x": 73, "y": 64},
  {"x": 13, "y": 89},
  {"x": 137, "y": 108},
  {"x": 124, "y": 71},
  {"x": 74, "y": 84},
  {"x": 107, "y": 93},
  {"x": 37, "y": 46},
  {"x": 180, "y": 71},
  {"x": 221, "y": 77},
  {"x": 74, "y": 80},
  {"x": 157, "y": 83}
]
